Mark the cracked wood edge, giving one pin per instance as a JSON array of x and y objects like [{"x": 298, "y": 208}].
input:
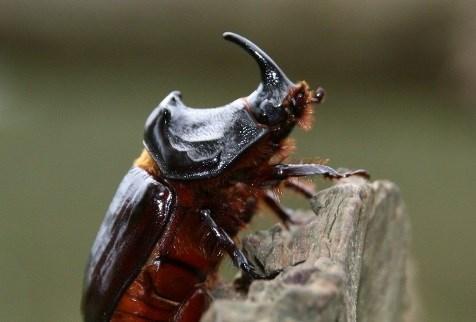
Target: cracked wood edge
[{"x": 348, "y": 263}]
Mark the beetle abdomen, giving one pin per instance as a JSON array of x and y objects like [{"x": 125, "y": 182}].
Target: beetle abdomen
[
  {"x": 166, "y": 290},
  {"x": 171, "y": 285}
]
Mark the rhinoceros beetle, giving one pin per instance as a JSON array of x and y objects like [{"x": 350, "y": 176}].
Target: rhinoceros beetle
[{"x": 196, "y": 184}]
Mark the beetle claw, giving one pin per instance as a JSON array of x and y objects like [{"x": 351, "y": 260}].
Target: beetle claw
[
  {"x": 250, "y": 271},
  {"x": 360, "y": 172}
]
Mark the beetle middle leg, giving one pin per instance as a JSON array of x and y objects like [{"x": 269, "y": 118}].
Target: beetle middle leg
[
  {"x": 238, "y": 257},
  {"x": 305, "y": 190},
  {"x": 281, "y": 212}
]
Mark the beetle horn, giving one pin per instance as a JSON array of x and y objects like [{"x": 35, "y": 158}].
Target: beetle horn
[{"x": 272, "y": 77}]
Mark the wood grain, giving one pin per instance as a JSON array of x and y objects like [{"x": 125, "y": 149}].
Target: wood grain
[{"x": 350, "y": 262}]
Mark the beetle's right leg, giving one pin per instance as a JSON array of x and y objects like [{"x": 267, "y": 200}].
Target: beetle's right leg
[
  {"x": 238, "y": 257},
  {"x": 306, "y": 190},
  {"x": 282, "y": 213}
]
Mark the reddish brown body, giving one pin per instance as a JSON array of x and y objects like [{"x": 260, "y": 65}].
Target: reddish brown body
[{"x": 174, "y": 284}]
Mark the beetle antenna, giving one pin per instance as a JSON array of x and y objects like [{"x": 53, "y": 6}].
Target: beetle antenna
[{"x": 271, "y": 75}]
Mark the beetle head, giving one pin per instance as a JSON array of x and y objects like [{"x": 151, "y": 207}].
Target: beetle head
[
  {"x": 277, "y": 103},
  {"x": 193, "y": 143}
]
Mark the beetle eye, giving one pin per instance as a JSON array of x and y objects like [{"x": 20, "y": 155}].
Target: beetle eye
[
  {"x": 268, "y": 114},
  {"x": 299, "y": 100}
]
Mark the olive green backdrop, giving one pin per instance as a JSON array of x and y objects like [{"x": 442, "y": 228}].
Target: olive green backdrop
[{"x": 78, "y": 79}]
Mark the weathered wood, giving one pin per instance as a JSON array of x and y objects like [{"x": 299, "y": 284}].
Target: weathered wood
[{"x": 348, "y": 263}]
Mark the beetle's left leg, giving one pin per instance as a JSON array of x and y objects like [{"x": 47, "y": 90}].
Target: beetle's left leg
[
  {"x": 285, "y": 171},
  {"x": 239, "y": 259}
]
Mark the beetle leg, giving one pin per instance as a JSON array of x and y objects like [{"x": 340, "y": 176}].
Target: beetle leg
[
  {"x": 238, "y": 257},
  {"x": 284, "y": 171},
  {"x": 283, "y": 213},
  {"x": 299, "y": 187},
  {"x": 273, "y": 203}
]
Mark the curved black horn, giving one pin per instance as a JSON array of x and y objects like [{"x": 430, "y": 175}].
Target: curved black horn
[{"x": 271, "y": 74}]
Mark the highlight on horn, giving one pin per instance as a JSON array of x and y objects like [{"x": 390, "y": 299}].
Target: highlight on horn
[{"x": 271, "y": 74}]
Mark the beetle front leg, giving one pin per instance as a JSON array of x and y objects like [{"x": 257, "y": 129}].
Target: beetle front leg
[
  {"x": 239, "y": 259},
  {"x": 285, "y": 171}
]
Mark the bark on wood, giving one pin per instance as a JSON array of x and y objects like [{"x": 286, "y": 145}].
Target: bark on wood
[{"x": 348, "y": 263}]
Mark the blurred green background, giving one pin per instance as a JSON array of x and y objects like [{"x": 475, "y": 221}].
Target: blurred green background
[{"x": 78, "y": 79}]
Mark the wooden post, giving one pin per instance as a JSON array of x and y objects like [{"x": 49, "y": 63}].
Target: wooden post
[{"x": 348, "y": 263}]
